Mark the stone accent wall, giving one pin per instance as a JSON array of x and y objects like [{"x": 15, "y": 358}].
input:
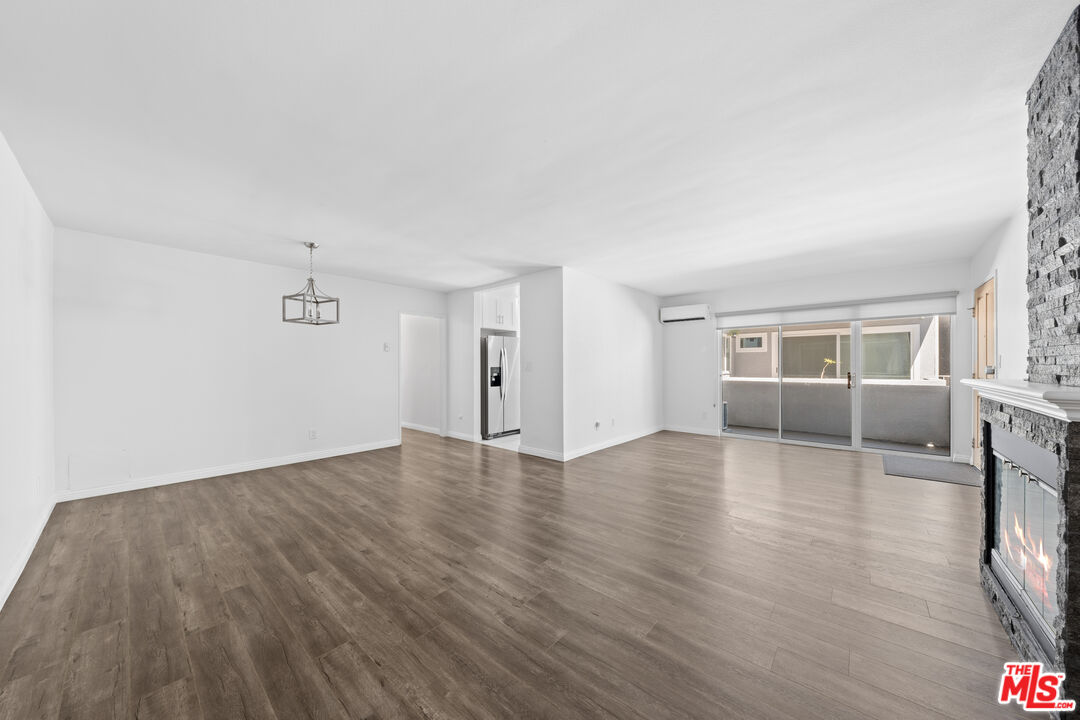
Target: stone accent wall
[
  {"x": 1054, "y": 213},
  {"x": 1053, "y": 281},
  {"x": 1063, "y": 439}
]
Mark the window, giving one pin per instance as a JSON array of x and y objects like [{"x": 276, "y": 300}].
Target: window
[
  {"x": 825, "y": 352},
  {"x": 887, "y": 356},
  {"x": 816, "y": 356},
  {"x": 751, "y": 343},
  {"x": 809, "y": 382}
]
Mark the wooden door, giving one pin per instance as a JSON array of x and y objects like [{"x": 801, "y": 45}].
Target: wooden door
[{"x": 985, "y": 352}]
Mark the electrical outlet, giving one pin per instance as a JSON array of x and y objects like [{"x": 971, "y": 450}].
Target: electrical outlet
[
  {"x": 612, "y": 422},
  {"x": 597, "y": 427},
  {"x": 386, "y": 347},
  {"x": 312, "y": 434}
]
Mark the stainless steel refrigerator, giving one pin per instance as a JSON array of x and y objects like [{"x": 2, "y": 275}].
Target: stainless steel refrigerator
[{"x": 500, "y": 385}]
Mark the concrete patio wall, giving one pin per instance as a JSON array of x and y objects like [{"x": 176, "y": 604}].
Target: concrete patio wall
[{"x": 913, "y": 413}]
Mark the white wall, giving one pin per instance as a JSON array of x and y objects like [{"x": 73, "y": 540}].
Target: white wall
[
  {"x": 26, "y": 358},
  {"x": 172, "y": 365},
  {"x": 690, "y": 362},
  {"x": 463, "y": 360},
  {"x": 613, "y": 349},
  {"x": 690, "y": 377},
  {"x": 542, "y": 358},
  {"x": 1005, "y": 255},
  {"x": 421, "y": 375},
  {"x": 813, "y": 289}
]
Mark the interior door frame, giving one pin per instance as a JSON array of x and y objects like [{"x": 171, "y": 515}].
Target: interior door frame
[
  {"x": 976, "y": 437},
  {"x": 444, "y": 385}
]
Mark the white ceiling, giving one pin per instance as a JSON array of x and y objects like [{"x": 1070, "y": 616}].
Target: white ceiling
[{"x": 675, "y": 146}]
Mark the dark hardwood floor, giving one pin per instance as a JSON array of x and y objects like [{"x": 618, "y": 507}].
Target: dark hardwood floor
[{"x": 673, "y": 577}]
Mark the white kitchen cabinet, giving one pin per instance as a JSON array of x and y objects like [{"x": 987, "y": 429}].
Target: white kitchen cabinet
[
  {"x": 500, "y": 308},
  {"x": 512, "y": 315},
  {"x": 491, "y": 310}
]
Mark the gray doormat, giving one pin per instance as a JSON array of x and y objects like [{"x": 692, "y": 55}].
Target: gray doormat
[{"x": 939, "y": 470}]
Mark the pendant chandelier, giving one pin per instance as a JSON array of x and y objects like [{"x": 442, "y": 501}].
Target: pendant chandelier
[{"x": 310, "y": 306}]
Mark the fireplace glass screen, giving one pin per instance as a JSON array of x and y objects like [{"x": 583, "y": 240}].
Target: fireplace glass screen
[{"x": 1026, "y": 536}]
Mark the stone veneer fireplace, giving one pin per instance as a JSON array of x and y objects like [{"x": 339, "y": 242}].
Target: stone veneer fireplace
[
  {"x": 1031, "y": 518},
  {"x": 1030, "y": 558}
]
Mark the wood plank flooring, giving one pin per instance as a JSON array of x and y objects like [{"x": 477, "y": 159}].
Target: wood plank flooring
[{"x": 676, "y": 576}]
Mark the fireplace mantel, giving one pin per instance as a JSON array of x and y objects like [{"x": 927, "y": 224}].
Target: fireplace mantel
[{"x": 1058, "y": 401}]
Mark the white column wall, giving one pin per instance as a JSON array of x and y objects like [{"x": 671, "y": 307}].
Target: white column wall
[{"x": 26, "y": 362}]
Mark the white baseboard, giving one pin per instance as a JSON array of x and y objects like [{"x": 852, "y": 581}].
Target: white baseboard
[
  {"x": 540, "y": 452},
  {"x": 421, "y": 428},
  {"x": 692, "y": 430},
  {"x": 24, "y": 557},
  {"x": 461, "y": 436},
  {"x": 612, "y": 442},
  {"x": 567, "y": 456},
  {"x": 201, "y": 473}
]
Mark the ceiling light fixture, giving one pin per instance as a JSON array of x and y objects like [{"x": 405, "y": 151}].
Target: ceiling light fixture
[{"x": 310, "y": 306}]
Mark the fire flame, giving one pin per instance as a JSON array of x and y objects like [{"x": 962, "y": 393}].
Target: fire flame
[{"x": 1036, "y": 572}]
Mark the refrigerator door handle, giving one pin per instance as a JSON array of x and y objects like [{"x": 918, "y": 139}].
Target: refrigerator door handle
[{"x": 502, "y": 372}]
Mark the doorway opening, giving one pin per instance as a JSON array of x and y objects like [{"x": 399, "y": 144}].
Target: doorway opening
[
  {"x": 500, "y": 367},
  {"x": 873, "y": 384},
  {"x": 421, "y": 373}
]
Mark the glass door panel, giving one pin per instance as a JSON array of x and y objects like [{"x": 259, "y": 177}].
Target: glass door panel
[
  {"x": 816, "y": 384},
  {"x": 1050, "y": 557},
  {"x": 1026, "y": 536},
  {"x": 749, "y": 390},
  {"x": 906, "y": 384},
  {"x": 1037, "y": 564},
  {"x": 1011, "y": 543}
]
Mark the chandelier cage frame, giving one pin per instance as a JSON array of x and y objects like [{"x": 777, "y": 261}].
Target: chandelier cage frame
[{"x": 310, "y": 305}]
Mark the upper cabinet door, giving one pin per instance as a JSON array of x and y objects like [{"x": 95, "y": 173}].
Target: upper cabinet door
[
  {"x": 500, "y": 308},
  {"x": 512, "y": 315},
  {"x": 490, "y": 303}
]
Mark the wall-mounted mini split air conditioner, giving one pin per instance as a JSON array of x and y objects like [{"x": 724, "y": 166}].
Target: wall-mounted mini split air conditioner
[{"x": 684, "y": 313}]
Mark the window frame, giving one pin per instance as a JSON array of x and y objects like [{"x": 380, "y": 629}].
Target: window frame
[{"x": 764, "y": 342}]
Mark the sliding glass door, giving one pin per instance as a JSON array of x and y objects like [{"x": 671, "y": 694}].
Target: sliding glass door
[
  {"x": 751, "y": 401},
  {"x": 906, "y": 384},
  {"x": 880, "y": 384},
  {"x": 816, "y": 395}
]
